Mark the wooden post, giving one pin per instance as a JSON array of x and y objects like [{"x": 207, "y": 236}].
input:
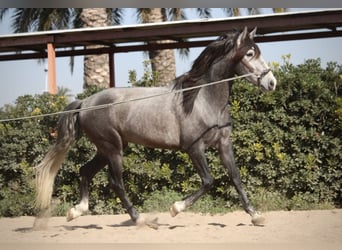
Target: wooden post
[
  {"x": 52, "y": 68},
  {"x": 111, "y": 70}
]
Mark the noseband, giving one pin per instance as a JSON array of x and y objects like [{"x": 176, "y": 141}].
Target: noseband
[
  {"x": 259, "y": 77},
  {"x": 265, "y": 72}
]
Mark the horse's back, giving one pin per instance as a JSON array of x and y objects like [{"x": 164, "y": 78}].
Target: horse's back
[{"x": 140, "y": 115}]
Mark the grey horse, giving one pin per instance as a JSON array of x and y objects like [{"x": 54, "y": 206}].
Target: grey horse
[{"x": 191, "y": 121}]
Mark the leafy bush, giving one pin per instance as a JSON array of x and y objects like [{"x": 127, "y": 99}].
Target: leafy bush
[
  {"x": 287, "y": 145},
  {"x": 22, "y": 145},
  {"x": 289, "y": 141}
]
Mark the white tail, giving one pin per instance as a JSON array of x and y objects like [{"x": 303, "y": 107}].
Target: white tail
[{"x": 47, "y": 170}]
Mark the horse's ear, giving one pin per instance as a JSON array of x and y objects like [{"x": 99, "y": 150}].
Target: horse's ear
[
  {"x": 242, "y": 37},
  {"x": 252, "y": 34}
]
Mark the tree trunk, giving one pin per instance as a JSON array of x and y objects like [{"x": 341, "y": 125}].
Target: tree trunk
[
  {"x": 163, "y": 62},
  {"x": 96, "y": 67}
]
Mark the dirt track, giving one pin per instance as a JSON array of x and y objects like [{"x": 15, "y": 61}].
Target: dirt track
[{"x": 321, "y": 226}]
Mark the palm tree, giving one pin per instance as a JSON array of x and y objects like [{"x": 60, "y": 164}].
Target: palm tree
[
  {"x": 163, "y": 62},
  {"x": 96, "y": 70},
  {"x": 96, "y": 67}
]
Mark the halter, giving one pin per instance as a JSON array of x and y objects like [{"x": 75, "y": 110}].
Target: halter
[
  {"x": 259, "y": 77},
  {"x": 265, "y": 72}
]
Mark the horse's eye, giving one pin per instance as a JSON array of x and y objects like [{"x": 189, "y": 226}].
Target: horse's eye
[{"x": 250, "y": 53}]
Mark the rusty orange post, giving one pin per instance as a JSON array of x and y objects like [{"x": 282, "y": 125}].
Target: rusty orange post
[{"x": 52, "y": 68}]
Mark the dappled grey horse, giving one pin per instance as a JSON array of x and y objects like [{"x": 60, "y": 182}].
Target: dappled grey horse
[{"x": 190, "y": 121}]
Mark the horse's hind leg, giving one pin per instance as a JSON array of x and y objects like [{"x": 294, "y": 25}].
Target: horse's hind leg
[{"x": 87, "y": 172}]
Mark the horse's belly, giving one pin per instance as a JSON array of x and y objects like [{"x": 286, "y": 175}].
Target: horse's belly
[{"x": 152, "y": 137}]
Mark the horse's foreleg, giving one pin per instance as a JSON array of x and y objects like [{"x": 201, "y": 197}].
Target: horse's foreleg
[
  {"x": 227, "y": 158},
  {"x": 87, "y": 172},
  {"x": 199, "y": 160}
]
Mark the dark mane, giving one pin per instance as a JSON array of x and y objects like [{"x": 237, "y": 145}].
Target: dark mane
[
  {"x": 212, "y": 53},
  {"x": 215, "y": 51}
]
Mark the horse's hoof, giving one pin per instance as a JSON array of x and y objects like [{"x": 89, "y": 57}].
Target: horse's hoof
[
  {"x": 70, "y": 214},
  {"x": 152, "y": 223},
  {"x": 40, "y": 223},
  {"x": 173, "y": 210},
  {"x": 141, "y": 221},
  {"x": 258, "y": 220},
  {"x": 177, "y": 207}
]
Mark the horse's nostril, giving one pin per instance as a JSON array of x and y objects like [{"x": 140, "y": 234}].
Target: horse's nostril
[{"x": 272, "y": 84}]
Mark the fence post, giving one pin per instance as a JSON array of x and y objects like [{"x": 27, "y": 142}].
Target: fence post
[{"x": 52, "y": 68}]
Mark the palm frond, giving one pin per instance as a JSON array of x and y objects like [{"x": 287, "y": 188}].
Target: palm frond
[
  {"x": 254, "y": 11},
  {"x": 175, "y": 14},
  {"x": 77, "y": 20},
  {"x": 24, "y": 19},
  {"x": 3, "y": 12},
  {"x": 232, "y": 11},
  {"x": 142, "y": 13},
  {"x": 204, "y": 12},
  {"x": 52, "y": 19},
  {"x": 183, "y": 53},
  {"x": 116, "y": 15}
]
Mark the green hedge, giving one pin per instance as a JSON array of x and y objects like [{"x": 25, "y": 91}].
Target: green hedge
[
  {"x": 289, "y": 142},
  {"x": 287, "y": 145}
]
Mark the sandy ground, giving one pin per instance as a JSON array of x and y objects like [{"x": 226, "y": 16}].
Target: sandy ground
[{"x": 281, "y": 227}]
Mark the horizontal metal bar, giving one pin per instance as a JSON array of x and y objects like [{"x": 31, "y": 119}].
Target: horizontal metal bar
[{"x": 159, "y": 46}]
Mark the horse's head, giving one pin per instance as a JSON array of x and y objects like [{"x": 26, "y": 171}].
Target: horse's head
[{"x": 249, "y": 60}]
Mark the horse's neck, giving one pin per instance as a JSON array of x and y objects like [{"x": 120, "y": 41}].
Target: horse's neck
[{"x": 218, "y": 94}]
